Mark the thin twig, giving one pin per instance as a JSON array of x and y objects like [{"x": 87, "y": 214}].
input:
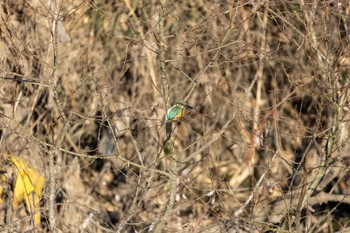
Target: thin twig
[
  {"x": 172, "y": 155},
  {"x": 52, "y": 182},
  {"x": 62, "y": 133},
  {"x": 259, "y": 73},
  {"x": 257, "y": 186}
]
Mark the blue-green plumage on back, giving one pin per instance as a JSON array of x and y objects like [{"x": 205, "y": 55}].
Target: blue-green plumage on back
[{"x": 175, "y": 112}]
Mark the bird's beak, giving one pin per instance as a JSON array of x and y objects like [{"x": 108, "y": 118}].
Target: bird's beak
[{"x": 188, "y": 106}]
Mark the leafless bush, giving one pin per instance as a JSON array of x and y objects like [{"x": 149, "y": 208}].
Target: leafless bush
[{"x": 265, "y": 147}]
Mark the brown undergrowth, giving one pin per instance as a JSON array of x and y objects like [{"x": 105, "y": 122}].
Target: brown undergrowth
[{"x": 265, "y": 147}]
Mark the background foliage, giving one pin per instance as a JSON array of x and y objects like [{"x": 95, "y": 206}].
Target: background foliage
[{"x": 265, "y": 147}]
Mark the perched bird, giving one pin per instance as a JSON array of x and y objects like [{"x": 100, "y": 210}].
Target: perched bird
[{"x": 176, "y": 111}]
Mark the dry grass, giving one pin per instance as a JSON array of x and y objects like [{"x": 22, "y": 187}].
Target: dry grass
[{"x": 268, "y": 82}]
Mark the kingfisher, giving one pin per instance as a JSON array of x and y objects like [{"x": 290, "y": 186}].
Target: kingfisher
[{"x": 176, "y": 112}]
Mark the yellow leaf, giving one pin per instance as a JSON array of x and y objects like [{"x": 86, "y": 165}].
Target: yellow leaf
[{"x": 28, "y": 187}]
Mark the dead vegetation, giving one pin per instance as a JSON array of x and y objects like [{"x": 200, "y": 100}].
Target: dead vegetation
[{"x": 264, "y": 149}]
